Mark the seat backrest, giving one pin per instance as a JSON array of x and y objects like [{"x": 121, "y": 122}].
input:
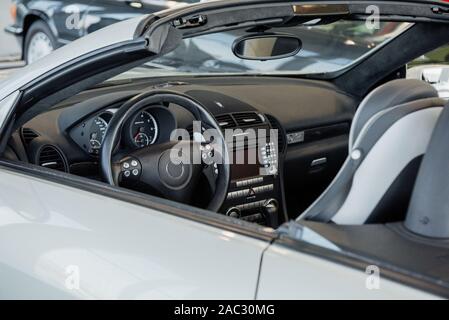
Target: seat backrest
[
  {"x": 428, "y": 212},
  {"x": 389, "y": 135}
]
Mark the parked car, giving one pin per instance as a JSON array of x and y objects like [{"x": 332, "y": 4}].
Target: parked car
[
  {"x": 41, "y": 26},
  {"x": 435, "y": 74},
  {"x": 346, "y": 197}
]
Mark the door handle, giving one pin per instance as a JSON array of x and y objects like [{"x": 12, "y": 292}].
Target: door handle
[{"x": 318, "y": 162}]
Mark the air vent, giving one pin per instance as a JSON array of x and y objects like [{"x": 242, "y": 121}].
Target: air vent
[
  {"x": 275, "y": 124},
  {"x": 225, "y": 121},
  {"x": 51, "y": 157},
  {"x": 28, "y": 135},
  {"x": 247, "y": 119}
]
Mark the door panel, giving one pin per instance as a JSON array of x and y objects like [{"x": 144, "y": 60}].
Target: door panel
[
  {"x": 290, "y": 274},
  {"x": 62, "y": 242}
]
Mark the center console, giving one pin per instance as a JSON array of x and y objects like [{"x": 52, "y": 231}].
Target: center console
[{"x": 255, "y": 193}]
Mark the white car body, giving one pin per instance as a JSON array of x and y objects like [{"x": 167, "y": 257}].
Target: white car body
[
  {"x": 59, "y": 242},
  {"x": 62, "y": 242}
]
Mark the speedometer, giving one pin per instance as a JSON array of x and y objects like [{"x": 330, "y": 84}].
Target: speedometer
[{"x": 144, "y": 129}]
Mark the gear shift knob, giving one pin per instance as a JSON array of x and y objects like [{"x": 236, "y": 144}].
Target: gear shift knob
[{"x": 270, "y": 210}]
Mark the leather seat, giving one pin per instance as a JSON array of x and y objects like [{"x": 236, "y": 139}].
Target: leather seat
[{"x": 389, "y": 135}]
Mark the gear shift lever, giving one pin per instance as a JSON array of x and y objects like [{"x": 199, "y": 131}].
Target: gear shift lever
[{"x": 270, "y": 211}]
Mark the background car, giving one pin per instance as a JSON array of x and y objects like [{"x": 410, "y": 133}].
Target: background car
[{"x": 42, "y": 26}]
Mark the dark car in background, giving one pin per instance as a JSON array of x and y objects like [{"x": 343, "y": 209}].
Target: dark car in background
[{"x": 41, "y": 26}]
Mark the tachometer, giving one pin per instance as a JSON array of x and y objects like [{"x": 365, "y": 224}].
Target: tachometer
[{"x": 144, "y": 129}]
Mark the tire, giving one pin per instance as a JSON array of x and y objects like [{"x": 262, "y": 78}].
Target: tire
[{"x": 39, "y": 41}]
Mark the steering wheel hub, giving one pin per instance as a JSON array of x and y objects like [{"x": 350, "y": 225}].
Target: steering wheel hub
[{"x": 173, "y": 175}]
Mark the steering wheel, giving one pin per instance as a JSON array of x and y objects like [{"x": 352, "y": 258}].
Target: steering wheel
[{"x": 153, "y": 168}]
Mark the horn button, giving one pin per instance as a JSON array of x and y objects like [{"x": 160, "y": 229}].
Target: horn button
[{"x": 173, "y": 175}]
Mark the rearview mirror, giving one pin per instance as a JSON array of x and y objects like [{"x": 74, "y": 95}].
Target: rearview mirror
[{"x": 266, "y": 46}]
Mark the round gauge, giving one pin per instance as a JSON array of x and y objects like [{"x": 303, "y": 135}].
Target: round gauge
[
  {"x": 141, "y": 140},
  {"x": 96, "y": 133},
  {"x": 144, "y": 129}
]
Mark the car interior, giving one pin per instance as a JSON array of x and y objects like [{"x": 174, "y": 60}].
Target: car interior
[{"x": 351, "y": 133}]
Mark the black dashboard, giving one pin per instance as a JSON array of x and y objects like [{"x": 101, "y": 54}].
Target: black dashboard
[{"x": 313, "y": 119}]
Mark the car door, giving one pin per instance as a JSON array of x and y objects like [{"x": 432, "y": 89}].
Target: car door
[
  {"x": 304, "y": 264},
  {"x": 61, "y": 241},
  {"x": 68, "y": 17}
]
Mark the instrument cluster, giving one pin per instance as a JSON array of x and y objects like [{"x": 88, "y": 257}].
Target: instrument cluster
[{"x": 148, "y": 126}]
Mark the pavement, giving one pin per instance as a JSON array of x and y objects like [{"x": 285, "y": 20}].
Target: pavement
[
  {"x": 10, "y": 50},
  {"x": 7, "y": 68},
  {"x": 9, "y": 46}
]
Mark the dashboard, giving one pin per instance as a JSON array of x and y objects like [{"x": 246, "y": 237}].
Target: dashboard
[{"x": 312, "y": 117}]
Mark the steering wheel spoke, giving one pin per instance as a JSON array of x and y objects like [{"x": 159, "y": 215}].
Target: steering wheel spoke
[
  {"x": 168, "y": 168},
  {"x": 127, "y": 168}
]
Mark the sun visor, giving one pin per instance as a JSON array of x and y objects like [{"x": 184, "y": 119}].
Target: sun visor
[{"x": 163, "y": 39}]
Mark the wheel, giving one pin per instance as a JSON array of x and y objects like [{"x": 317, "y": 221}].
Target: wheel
[{"x": 39, "y": 41}]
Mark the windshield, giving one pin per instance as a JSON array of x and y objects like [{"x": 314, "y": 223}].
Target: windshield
[{"x": 326, "y": 48}]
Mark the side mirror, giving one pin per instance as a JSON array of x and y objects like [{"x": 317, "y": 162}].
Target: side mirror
[{"x": 266, "y": 46}]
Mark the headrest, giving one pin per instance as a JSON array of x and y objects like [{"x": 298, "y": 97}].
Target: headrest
[{"x": 388, "y": 95}]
